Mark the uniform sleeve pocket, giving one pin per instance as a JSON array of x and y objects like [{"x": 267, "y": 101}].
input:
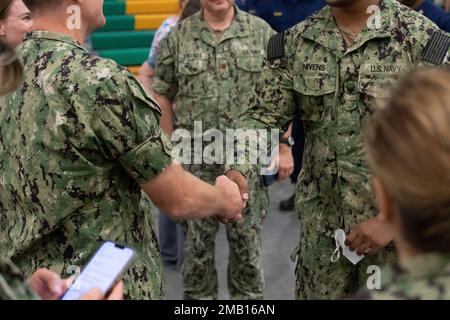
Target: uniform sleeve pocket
[{"x": 141, "y": 94}]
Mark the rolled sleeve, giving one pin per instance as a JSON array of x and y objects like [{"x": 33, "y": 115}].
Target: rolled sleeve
[
  {"x": 126, "y": 126},
  {"x": 147, "y": 160}
]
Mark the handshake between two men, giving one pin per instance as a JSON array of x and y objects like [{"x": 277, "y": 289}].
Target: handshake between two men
[{"x": 183, "y": 196}]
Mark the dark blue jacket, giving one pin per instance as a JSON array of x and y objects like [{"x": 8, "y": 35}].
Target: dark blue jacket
[
  {"x": 281, "y": 14},
  {"x": 435, "y": 14}
]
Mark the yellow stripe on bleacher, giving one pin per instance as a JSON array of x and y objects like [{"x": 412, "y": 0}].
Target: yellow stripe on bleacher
[
  {"x": 134, "y": 70},
  {"x": 149, "y": 21},
  {"x": 152, "y": 6}
]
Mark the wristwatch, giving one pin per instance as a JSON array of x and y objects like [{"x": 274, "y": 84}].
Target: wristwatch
[{"x": 289, "y": 141}]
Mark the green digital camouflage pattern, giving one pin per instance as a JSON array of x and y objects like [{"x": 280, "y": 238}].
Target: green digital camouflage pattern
[
  {"x": 245, "y": 270},
  {"x": 335, "y": 89},
  {"x": 76, "y": 139},
  {"x": 425, "y": 277},
  {"x": 210, "y": 81},
  {"x": 12, "y": 283}
]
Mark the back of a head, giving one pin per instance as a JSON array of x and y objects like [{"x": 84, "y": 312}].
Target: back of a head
[
  {"x": 39, "y": 5},
  {"x": 88, "y": 13},
  {"x": 10, "y": 70},
  {"x": 408, "y": 145}
]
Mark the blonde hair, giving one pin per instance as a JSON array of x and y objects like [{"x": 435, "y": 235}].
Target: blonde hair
[
  {"x": 408, "y": 145},
  {"x": 11, "y": 70}
]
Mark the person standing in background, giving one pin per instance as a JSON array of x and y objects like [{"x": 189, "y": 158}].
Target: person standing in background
[
  {"x": 281, "y": 14},
  {"x": 431, "y": 11},
  {"x": 15, "y": 20},
  {"x": 444, "y": 4},
  {"x": 147, "y": 70},
  {"x": 171, "y": 235},
  {"x": 207, "y": 66}
]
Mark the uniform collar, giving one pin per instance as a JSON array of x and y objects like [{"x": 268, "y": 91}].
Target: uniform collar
[
  {"x": 54, "y": 36},
  {"x": 239, "y": 27},
  {"x": 322, "y": 29}
]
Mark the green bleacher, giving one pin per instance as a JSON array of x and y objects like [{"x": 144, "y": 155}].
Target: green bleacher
[{"x": 129, "y": 30}]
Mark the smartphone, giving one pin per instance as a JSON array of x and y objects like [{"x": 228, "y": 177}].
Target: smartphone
[{"x": 104, "y": 270}]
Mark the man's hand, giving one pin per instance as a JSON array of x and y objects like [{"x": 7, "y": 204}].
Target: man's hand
[
  {"x": 97, "y": 294},
  {"x": 370, "y": 236},
  {"x": 447, "y": 5},
  {"x": 285, "y": 162},
  {"x": 232, "y": 199},
  {"x": 242, "y": 183},
  {"x": 47, "y": 284}
]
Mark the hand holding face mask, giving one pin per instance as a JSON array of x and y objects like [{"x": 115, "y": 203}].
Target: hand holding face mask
[{"x": 352, "y": 256}]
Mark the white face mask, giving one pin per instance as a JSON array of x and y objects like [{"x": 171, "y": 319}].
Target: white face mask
[{"x": 352, "y": 256}]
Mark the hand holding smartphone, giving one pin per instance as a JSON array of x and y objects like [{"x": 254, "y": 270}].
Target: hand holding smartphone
[{"x": 103, "y": 271}]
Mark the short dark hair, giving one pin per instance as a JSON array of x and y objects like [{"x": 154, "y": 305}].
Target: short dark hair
[
  {"x": 36, "y": 5},
  {"x": 4, "y": 8}
]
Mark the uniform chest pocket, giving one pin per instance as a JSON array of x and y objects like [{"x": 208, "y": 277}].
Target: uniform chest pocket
[
  {"x": 250, "y": 63},
  {"x": 247, "y": 72},
  {"x": 315, "y": 95},
  {"x": 192, "y": 67},
  {"x": 194, "y": 80}
]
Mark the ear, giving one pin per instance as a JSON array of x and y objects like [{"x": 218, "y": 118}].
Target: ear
[
  {"x": 384, "y": 200},
  {"x": 2, "y": 30}
]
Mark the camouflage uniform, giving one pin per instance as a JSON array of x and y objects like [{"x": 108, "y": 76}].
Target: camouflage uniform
[
  {"x": 425, "y": 277},
  {"x": 12, "y": 283},
  {"x": 335, "y": 88},
  {"x": 76, "y": 139},
  {"x": 210, "y": 80}
]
